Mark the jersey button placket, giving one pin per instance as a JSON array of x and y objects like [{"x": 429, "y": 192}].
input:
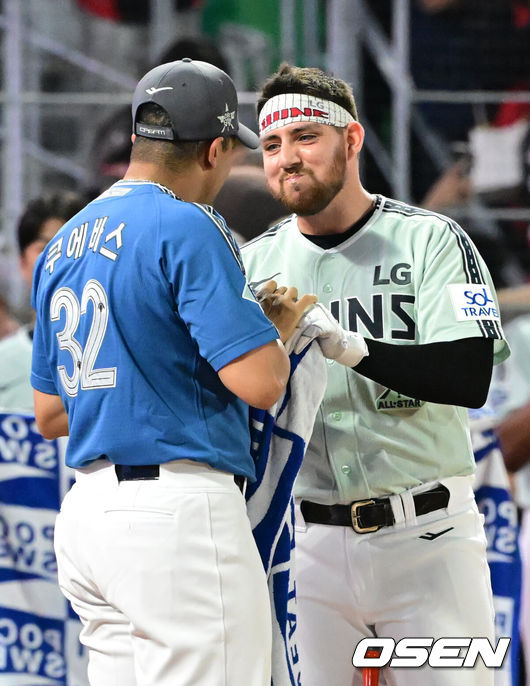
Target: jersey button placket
[
  {"x": 335, "y": 418},
  {"x": 343, "y": 456}
]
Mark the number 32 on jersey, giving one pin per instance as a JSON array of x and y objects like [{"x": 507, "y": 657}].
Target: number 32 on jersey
[{"x": 83, "y": 358}]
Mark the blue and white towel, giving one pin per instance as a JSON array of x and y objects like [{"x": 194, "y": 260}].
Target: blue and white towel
[{"x": 279, "y": 439}]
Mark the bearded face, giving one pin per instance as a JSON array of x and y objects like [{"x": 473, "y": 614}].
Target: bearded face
[{"x": 305, "y": 193}]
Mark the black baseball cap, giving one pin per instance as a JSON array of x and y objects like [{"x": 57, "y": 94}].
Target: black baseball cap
[{"x": 200, "y": 99}]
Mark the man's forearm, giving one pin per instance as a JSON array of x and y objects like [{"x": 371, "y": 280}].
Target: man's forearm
[
  {"x": 50, "y": 414},
  {"x": 451, "y": 373}
]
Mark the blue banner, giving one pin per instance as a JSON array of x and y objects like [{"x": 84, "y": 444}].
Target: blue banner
[
  {"x": 39, "y": 633},
  {"x": 494, "y": 500}
]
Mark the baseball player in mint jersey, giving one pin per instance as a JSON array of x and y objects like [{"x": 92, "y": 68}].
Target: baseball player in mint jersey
[
  {"x": 389, "y": 540},
  {"x": 148, "y": 346}
]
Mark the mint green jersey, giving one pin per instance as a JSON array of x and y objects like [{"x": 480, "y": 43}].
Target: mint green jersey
[
  {"x": 16, "y": 392},
  {"x": 408, "y": 276}
]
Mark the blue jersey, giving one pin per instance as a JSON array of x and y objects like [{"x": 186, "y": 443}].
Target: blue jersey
[{"x": 141, "y": 298}]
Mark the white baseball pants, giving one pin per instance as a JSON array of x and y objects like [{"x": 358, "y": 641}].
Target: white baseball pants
[
  {"x": 166, "y": 578},
  {"x": 392, "y": 583}
]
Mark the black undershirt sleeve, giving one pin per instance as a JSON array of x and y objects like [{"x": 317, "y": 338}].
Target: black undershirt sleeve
[{"x": 451, "y": 373}]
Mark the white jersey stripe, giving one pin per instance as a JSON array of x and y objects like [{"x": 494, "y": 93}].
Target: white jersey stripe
[{"x": 220, "y": 224}]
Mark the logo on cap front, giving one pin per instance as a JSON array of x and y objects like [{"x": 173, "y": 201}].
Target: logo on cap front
[
  {"x": 226, "y": 119},
  {"x": 153, "y": 90}
]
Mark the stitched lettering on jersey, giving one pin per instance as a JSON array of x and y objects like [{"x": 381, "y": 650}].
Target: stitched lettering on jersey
[
  {"x": 91, "y": 233},
  {"x": 398, "y": 300},
  {"x": 373, "y": 320},
  {"x": 400, "y": 274}
]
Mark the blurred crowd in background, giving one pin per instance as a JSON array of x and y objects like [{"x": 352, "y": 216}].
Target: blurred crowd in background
[
  {"x": 469, "y": 67},
  {"x": 469, "y": 140}
]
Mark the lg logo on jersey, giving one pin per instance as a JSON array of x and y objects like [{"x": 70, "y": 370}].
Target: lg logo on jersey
[
  {"x": 399, "y": 274},
  {"x": 416, "y": 652}
]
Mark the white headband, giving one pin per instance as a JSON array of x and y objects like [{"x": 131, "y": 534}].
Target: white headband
[{"x": 288, "y": 108}]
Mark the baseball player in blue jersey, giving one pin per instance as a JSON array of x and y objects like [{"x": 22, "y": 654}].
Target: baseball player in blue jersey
[
  {"x": 389, "y": 541},
  {"x": 148, "y": 346}
]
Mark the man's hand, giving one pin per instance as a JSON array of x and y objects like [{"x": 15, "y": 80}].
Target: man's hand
[
  {"x": 282, "y": 307},
  {"x": 346, "y": 347}
]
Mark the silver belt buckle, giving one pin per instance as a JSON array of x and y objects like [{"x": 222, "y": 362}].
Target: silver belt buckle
[{"x": 355, "y": 517}]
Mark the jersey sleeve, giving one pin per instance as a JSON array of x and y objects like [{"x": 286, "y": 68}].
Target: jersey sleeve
[
  {"x": 41, "y": 378},
  {"x": 212, "y": 296},
  {"x": 456, "y": 296}
]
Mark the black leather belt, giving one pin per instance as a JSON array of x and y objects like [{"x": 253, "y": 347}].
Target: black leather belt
[
  {"x": 137, "y": 472},
  {"x": 366, "y": 516},
  {"x": 144, "y": 472}
]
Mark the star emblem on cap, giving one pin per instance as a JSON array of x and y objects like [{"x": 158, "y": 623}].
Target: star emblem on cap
[{"x": 226, "y": 119}]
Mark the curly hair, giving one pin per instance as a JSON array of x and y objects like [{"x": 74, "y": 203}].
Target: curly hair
[{"x": 311, "y": 81}]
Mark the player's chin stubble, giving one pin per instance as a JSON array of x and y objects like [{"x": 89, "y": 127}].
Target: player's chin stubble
[{"x": 320, "y": 193}]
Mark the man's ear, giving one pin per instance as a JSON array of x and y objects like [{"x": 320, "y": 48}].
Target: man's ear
[
  {"x": 354, "y": 137},
  {"x": 213, "y": 152}
]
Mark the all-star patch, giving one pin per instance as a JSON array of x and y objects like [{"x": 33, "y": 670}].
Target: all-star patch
[
  {"x": 391, "y": 401},
  {"x": 227, "y": 119}
]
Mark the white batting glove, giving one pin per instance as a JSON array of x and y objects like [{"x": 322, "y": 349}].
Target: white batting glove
[{"x": 345, "y": 347}]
